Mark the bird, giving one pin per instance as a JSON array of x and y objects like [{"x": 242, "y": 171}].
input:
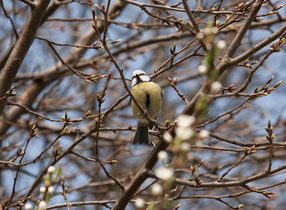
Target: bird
[{"x": 149, "y": 95}]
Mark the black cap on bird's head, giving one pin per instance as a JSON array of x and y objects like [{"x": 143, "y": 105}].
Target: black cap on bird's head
[{"x": 139, "y": 76}]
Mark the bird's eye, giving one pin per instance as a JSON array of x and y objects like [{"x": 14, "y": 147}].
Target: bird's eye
[{"x": 138, "y": 75}]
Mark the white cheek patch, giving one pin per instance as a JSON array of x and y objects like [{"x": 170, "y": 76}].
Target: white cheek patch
[
  {"x": 134, "y": 82},
  {"x": 145, "y": 78}
]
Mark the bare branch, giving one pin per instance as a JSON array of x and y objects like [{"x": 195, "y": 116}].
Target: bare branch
[{"x": 21, "y": 48}]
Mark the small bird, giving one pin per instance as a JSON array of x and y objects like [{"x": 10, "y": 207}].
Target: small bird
[{"x": 149, "y": 95}]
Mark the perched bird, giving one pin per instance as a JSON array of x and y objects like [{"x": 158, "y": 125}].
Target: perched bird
[{"x": 149, "y": 95}]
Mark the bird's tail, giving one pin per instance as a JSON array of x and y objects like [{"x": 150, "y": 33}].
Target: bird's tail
[{"x": 142, "y": 135}]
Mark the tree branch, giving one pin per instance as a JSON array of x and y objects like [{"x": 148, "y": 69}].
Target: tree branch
[{"x": 20, "y": 50}]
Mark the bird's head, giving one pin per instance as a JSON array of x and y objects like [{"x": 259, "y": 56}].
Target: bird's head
[{"x": 139, "y": 76}]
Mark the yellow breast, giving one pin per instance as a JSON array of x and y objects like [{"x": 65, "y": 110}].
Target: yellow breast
[{"x": 149, "y": 96}]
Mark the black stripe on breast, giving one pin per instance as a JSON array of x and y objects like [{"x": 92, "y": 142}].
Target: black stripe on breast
[{"x": 148, "y": 100}]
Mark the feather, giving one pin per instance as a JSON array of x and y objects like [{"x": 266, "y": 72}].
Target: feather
[
  {"x": 148, "y": 100},
  {"x": 142, "y": 135}
]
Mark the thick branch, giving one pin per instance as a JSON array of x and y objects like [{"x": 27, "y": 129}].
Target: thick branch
[
  {"x": 258, "y": 47},
  {"x": 240, "y": 34},
  {"x": 20, "y": 50}
]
